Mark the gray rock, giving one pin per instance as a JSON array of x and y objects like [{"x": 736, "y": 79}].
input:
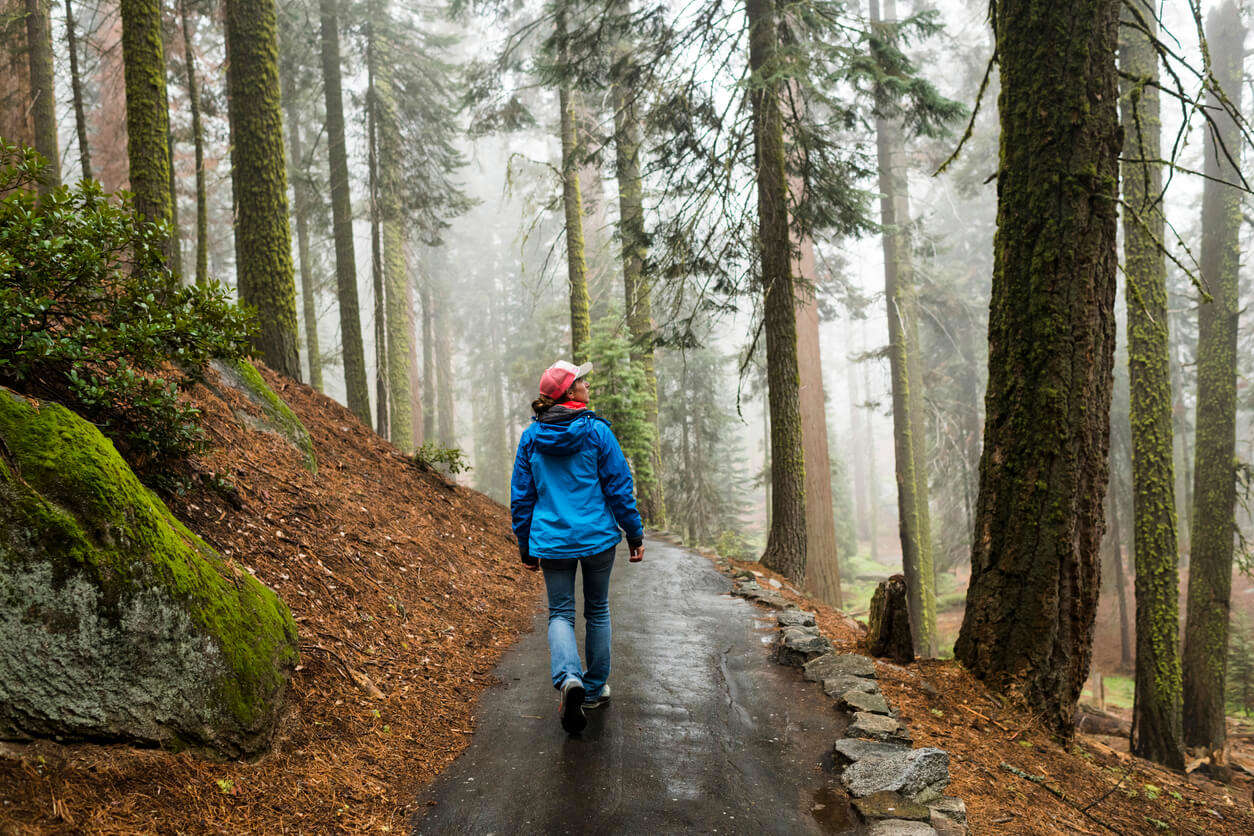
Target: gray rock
[
  {"x": 951, "y": 808},
  {"x": 795, "y": 618},
  {"x": 746, "y": 588},
  {"x": 891, "y": 805},
  {"x": 834, "y": 686},
  {"x": 854, "y": 749},
  {"x": 116, "y": 622},
  {"x": 797, "y": 645},
  {"x": 774, "y": 583},
  {"x": 863, "y": 701},
  {"x": 745, "y": 574},
  {"x": 900, "y": 827},
  {"x": 919, "y": 775},
  {"x": 877, "y": 727},
  {"x": 837, "y": 664},
  {"x": 276, "y": 416}
]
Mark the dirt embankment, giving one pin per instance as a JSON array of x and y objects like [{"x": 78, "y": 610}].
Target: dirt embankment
[{"x": 406, "y": 590}]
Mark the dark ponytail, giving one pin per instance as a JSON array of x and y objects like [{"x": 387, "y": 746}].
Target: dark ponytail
[{"x": 542, "y": 403}]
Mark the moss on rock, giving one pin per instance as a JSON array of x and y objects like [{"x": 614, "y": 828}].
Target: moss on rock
[
  {"x": 243, "y": 376},
  {"x": 116, "y": 621}
]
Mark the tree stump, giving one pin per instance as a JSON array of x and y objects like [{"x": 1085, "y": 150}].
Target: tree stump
[{"x": 888, "y": 625}]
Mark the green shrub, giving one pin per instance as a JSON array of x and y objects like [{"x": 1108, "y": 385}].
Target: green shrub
[
  {"x": 431, "y": 456},
  {"x": 734, "y": 545},
  {"x": 91, "y": 317}
]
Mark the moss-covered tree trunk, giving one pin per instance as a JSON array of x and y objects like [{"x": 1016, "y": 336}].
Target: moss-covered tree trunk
[
  {"x": 1035, "y": 567},
  {"x": 572, "y": 202},
  {"x": 351, "y": 347},
  {"x": 43, "y": 103},
  {"x": 909, "y": 444},
  {"x": 198, "y": 142},
  {"x": 76, "y": 90},
  {"x": 147, "y": 112},
  {"x": 786, "y": 540},
  {"x": 301, "y": 208},
  {"x": 637, "y": 287},
  {"x": 263, "y": 245},
  {"x": 1156, "y": 708},
  {"x": 1210, "y": 565}
]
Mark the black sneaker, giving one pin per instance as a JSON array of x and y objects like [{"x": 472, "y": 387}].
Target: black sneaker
[
  {"x": 601, "y": 700},
  {"x": 571, "y": 706}
]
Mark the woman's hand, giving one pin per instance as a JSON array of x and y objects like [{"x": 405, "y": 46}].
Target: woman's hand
[{"x": 637, "y": 554}]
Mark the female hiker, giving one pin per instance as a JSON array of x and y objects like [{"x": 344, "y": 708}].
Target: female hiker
[{"x": 570, "y": 494}]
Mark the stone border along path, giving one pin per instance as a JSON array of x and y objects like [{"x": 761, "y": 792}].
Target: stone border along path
[{"x": 897, "y": 790}]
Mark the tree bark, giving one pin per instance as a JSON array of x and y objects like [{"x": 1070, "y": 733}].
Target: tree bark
[
  {"x": 43, "y": 103},
  {"x": 786, "y": 540},
  {"x": 1126, "y": 641},
  {"x": 147, "y": 111},
  {"x": 1156, "y": 709},
  {"x": 198, "y": 140},
  {"x": 301, "y": 207},
  {"x": 576, "y": 261},
  {"x": 176, "y": 235},
  {"x": 76, "y": 89},
  {"x": 381, "y": 382},
  {"x": 1035, "y": 562},
  {"x": 351, "y": 347},
  {"x": 636, "y": 286},
  {"x": 263, "y": 242},
  {"x": 914, "y": 518},
  {"x": 1210, "y": 564}
]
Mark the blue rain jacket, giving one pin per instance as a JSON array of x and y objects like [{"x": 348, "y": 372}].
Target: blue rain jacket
[{"x": 571, "y": 489}]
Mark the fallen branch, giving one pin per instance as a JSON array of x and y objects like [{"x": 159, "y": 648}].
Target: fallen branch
[
  {"x": 1042, "y": 781},
  {"x": 983, "y": 717}
]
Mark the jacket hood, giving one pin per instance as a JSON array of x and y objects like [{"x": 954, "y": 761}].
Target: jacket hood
[{"x": 560, "y": 431}]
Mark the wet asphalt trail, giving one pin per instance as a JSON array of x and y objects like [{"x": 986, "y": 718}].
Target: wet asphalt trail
[{"x": 704, "y": 734}]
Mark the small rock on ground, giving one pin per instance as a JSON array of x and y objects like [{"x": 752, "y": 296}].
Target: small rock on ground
[
  {"x": 797, "y": 645},
  {"x": 891, "y": 805},
  {"x": 862, "y": 701},
  {"x": 837, "y": 664},
  {"x": 900, "y": 827},
  {"x": 877, "y": 727},
  {"x": 919, "y": 775},
  {"x": 951, "y": 808},
  {"x": 836, "y": 685},
  {"x": 852, "y": 749},
  {"x": 795, "y": 618}
]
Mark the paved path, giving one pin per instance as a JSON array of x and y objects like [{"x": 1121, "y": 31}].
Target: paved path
[{"x": 703, "y": 735}]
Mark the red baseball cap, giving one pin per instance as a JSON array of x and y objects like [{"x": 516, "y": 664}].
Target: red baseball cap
[{"x": 559, "y": 377}]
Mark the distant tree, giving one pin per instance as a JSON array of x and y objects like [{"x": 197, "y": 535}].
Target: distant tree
[
  {"x": 198, "y": 141},
  {"x": 263, "y": 246},
  {"x": 1032, "y": 597},
  {"x": 1214, "y": 522},
  {"x": 1156, "y": 707},
  {"x": 76, "y": 90},
  {"x": 572, "y": 200},
  {"x": 620, "y": 392},
  {"x": 351, "y": 346}
]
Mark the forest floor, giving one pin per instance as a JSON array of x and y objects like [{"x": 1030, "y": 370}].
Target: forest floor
[
  {"x": 405, "y": 588},
  {"x": 1092, "y": 786}
]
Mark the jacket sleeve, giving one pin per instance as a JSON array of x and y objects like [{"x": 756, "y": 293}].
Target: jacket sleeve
[
  {"x": 522, "y": 495},
  {"x": 617, "y": 485}
]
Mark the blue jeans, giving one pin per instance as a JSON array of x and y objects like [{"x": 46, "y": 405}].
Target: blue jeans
[{"x": 559, "y": 579}]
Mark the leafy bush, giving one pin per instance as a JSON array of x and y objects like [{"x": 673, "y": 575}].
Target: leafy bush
[
  {"x": 91, "y": 317},
  {"x": 735, "y": 545},
  {"x": 450, "y": 460}
]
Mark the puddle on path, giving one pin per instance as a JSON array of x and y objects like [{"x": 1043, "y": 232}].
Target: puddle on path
[{"x": 832, "y": 811}]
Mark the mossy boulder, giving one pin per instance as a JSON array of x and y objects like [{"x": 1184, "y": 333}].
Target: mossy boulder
[
  {"x": 277, "y": 417},
  {"x": 116, "y": 621}
]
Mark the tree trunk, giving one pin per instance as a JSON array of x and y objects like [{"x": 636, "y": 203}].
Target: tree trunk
[
  {"x": 354, "y": 353},
  {"x": 263, "y": 241},
  {"x": 376, "y": 242},
  {"x": 858, "y": 454},
  {"x": 786, "y": 542},
  {"x": 822, "y": 560},
  {"x": 1210, "y": 564},
  {"x": 301, "y": 199},
  {"x": 1156, "y": 708},
  {"x": 43, "y": 104},
  {"x": 416, "y": 384},
  {"x": 914, "y": 518},
  {"x": 1126, "y": 658},
  {"x": 872, "y": 472},
  {"x": 1035, "y": 562},
  {"x": 147, "y": 111},
  {"x": 576, "y": 261},
  {"x": 15, "y": 113},
  {"x": 637, "y": 288},
  {"x": 198, "y": 140},
  {"x": 445, "y": 431},
  {"x": 176, "y": 236},
  {"x": 428, "y": 357},
  {"x": 76, "y": 89}
]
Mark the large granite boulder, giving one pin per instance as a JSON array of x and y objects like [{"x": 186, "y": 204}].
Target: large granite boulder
[{"x": 116, "y": 622}]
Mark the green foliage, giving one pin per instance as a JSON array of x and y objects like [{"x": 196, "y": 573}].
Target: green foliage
[
  {"x": 91, "y": 317},
  {"x": 1240, "y": 694},
  {"x": 431, "y": 456},
  {"x": 733, "y": 544},
  {"x": 618, "y": 394}
]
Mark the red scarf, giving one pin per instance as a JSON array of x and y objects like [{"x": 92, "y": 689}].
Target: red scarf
[{"x": 573, "y": 405}]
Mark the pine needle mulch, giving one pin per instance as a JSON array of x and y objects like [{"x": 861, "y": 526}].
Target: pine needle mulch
[
  {"x": 406, "y": 590},
  {"x": 1015, "y": 777}
]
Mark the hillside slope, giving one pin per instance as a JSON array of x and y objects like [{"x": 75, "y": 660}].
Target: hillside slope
[{"x": 405, "y": 589}]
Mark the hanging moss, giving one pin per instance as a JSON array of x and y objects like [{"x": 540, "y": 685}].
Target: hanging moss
[{"x": 116, "y": 622}]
